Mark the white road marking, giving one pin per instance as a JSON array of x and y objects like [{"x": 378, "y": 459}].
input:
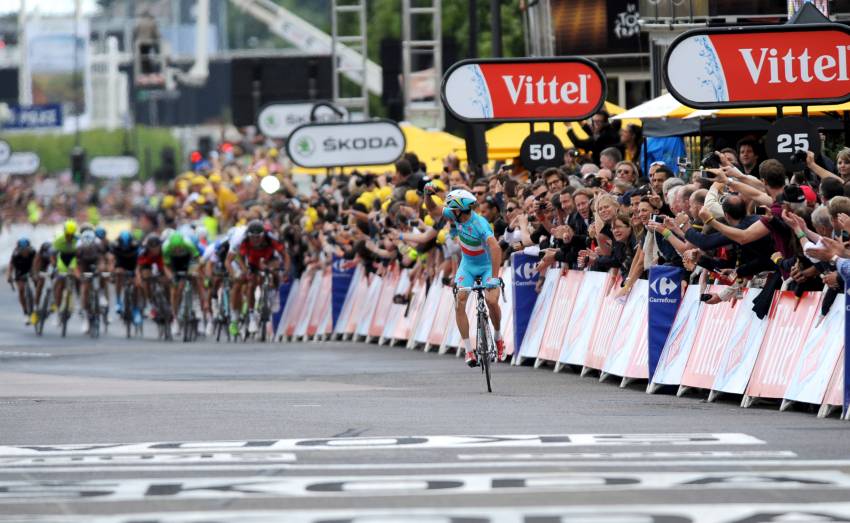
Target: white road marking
[
  {"x": 137, "y": 460},
  {"x": 20, "y": 354},
  {"x": 92, "y": 491},
  {"x": 396, "y": 443},
  {"x": 707, "y": 454},
  {"x": 719, "y": 513}
]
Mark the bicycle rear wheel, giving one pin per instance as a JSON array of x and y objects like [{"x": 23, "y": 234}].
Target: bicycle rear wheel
[{"x": 483, "y": 349}]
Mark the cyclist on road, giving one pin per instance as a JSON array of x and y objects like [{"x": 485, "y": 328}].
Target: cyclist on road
[
  {"x": 40, "y": 268},
  {"x": 178, "y": 254},
  {"x": 150, "y": 256},
  {"x": 480, "y": 257},
  {"x": 20, "y": 268},
  {"x": 89, "y": 259},
  {"x": 124, "y": 258},
  {"x": 257, "y": 251},
  {"x": 213, "y": 271},
  {"x": 65, "y": 261}
]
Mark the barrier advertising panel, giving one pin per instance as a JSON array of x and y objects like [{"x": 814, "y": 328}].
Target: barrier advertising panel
[
  {"x": 562, "y": 306},
  {"x": 665, "y": 295},
  {"x": 708, "y": 347},
  {"x": 677, "y": 348},
  {"x": 629, "y": 335},
  {"x": 342, "y": 274},
  {"x": 585, "y": 311},
  {"x": 537, "y": 323},
  {"x": 536, "y": 89},
  {"x": 760, "y": 66},
  {"x": 604, "y": 331},
  {"x": 525, "y": 279}
]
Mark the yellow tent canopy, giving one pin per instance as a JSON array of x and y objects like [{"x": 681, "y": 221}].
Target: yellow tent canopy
[
  {"x": 770, "y": 112},
  {"x": 430, "y": 146}
]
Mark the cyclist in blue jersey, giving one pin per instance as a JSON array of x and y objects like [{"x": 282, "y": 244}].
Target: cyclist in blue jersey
[{"x": 481, "y": 256}]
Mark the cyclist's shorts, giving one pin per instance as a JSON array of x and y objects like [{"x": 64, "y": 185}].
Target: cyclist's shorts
[
  {"x": 63, "y": 266},
  {"x": 467, "y": 271}
]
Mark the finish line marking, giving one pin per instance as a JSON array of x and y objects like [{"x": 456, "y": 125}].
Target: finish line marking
[
  {"x": 391, "y": 443},
  {"x": 707, "y": 454},
  {"x": 655, "y": 513},
  {"x": 92, "y": 491}
]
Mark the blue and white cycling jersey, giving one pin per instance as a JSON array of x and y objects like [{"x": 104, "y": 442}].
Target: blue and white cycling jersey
[{"x": 472, "y": 236}]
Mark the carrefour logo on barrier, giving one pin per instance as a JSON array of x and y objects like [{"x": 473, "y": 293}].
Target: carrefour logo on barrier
[
  {"x": 662, "y": 286},
  {"x": 339, "y": 265},
  {"x": 525, "y": 272}
]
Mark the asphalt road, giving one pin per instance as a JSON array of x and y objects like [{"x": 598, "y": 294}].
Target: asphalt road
[{"x": 115, "y": 430}]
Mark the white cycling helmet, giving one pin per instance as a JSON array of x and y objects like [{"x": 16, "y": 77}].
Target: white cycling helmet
[{"x": 460, "y": 199}]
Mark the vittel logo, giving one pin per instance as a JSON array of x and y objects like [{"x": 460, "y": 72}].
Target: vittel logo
[
  {"x": 799, "y": 67},
  {"x": 528, "y": 90}
]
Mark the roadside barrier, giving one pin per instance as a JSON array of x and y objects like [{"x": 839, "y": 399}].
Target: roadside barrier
[{"x": 577, "y": 321}]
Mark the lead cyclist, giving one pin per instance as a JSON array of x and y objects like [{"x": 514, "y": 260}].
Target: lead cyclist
[{"x": 481, "y": 256}]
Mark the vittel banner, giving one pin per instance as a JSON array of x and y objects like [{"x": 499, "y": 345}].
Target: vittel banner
[
  {"x": 760, "y": 66},
  {"x": 555, "y": 89}
]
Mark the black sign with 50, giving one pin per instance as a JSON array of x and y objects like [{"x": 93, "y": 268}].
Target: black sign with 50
[{"x": 541, "y": 149}]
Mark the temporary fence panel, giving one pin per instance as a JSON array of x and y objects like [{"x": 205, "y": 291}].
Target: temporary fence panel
[
  {"x": 428, "y": 313},
  {"x": 677, "y": 348},
  {"x": 384, "y": 302},
  {"x": 816, "y": 364},
  {"x": 309, "y": 306},
  {"x": 342, "y": 279},
  {"x": 299, "y": 305},
  {"x": 444, "y": 317},
  {"x": 630, "y": 333},
  {"x": 534, "y": 332},
  {"x": 638, "y": 367},
  {"x": 507, "y": 306},
  {"x": 375, "y": 285},
  {"x": 790, "y": 320},
  {"x": 525, "y": 277},
  {"x": 396, "y": 313},
  {"x": 834, "y": 397},
  {"x": 559, "y": 315},
  {"x": 412, "y": 313},
  {"x": 742, "y": 348},
  {"x": 288, "y": 307},
  {"x": 347, "y": 311},
  {"x": 712, "y": 335},
  {"x": 604, "y": 330},
  {"x": 321, "y": 307},
  {"x": 585, "y": 311},
  {"x": 359, "y": 307}
]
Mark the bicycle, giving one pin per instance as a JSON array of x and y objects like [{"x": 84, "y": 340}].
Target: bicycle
[
  {"x": 129, "y": 305},
  {"x": 161, "y": 304},
  {"x": 265, "y": 303},
  {"x": 103, "y": 310},
  {"x": 43, "y": 310},
  {"x": 221, "y": 321},
  {"x": 485, "y": 346},
  {"x": 65, "y": 303},
  {"x": 92, "y": 305},
  {"x": 186, "y": 317}
]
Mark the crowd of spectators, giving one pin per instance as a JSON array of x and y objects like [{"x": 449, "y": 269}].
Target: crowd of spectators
[{"x": 736, "y": 218}]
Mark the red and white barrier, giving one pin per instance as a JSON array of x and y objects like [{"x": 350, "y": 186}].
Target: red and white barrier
[
  {"x": 288, "y": 308},
  {"x": 821, "y": 351},
  {"x": 792, "y": 354},
  {"x": 742, "y": 349},
  {"x": 677, "y": 349},
  {"x": 790, "y": 320}
]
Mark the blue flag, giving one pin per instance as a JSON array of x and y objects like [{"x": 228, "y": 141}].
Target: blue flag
[
  {"x": 340, "y": 282},
  {"x": 665, "y": 295},
  {"x": 525, "y": 280}
]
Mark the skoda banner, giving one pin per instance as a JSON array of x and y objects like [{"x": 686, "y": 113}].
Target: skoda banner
[
  {"x": 525, "y": 280},
  {"x": 345, "y": 144},
  {"x": 340, "y": 281},
  {"x": 278, "y": 120},
  {"x": 665, "y": 295}
]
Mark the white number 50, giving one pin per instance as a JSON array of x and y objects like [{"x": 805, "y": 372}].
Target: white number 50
[{"x": 544, "y": 151}]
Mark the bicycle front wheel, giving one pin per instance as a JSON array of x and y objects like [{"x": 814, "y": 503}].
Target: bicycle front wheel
[{"x": 483, "y": 349}]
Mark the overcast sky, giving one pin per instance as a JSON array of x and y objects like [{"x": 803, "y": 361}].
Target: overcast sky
[{"x": 47, "y": 6}]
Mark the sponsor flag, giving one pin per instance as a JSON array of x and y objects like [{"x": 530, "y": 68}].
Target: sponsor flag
[
  {"x": 525, "y": 279},
  {"x": 341, "y": 280},
  {"x": 665, "y": 295}
]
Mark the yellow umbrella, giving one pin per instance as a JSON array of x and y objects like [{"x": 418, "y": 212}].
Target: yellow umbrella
[
  {"x": 429, "y": 145},
  {"x": 770, "y": 112}
]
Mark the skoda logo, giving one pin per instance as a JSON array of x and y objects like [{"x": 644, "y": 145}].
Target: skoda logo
[
  {"x": 305, "y": 146},
  {"x": 663, "y": 286},
  {"x": 525, "y": 271}
]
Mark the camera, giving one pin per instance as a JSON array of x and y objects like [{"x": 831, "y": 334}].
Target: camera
[
  {"x": 657, "y": 218},
  {"x": 420, "y": 185},
  {"x": 761, "y": 210},
  {"x": 799, "y": 156},
  {"x": 708, "y": 175},
  {"x": 710, "y": 161},
  {"x": 682, "y": 161}
]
